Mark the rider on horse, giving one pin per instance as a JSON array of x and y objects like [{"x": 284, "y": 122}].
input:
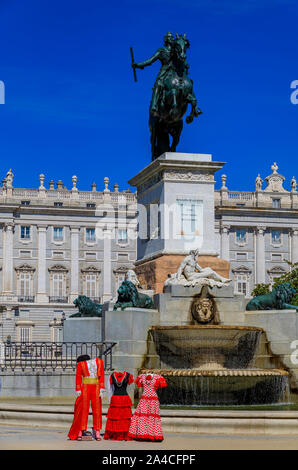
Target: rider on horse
[
  {"x": 172, "y": 93},
  {"x": 164, "y": 54}
]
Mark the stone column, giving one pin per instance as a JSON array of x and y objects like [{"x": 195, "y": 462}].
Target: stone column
[
  {"x": 225, "y": 242},
  {"x": 74, "y": 275},
  {"x": 42, "y": 296},
  {"x": 7, "y": 276},
  {"x": 260, "y": 255},
  {"x": 294, "y": 254},
  {"x": 107, "y": 264}
]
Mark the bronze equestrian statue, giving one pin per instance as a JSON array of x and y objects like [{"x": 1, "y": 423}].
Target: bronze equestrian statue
[{"x": 172, "y": 93}]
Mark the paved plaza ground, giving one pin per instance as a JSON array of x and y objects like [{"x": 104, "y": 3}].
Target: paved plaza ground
[{"x": 24, "y": 438}]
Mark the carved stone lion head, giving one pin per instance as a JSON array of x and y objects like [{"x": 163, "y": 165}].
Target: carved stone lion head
[{"x": 204, "y": 310}]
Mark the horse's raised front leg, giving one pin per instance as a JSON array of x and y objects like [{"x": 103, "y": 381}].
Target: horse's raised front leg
[{"x": 195, "y": 112}]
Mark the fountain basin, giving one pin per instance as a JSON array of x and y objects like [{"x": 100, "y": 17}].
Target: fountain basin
[
  {"x": 213, "y": 365},
  {"x": 205, "y": 346},
  {"x": 187, "y": 387}
]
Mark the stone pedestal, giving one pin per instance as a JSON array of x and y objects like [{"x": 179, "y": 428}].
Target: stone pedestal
[
  {"x": 82, "y": 330},
  {"x": 175, "y": 215}
]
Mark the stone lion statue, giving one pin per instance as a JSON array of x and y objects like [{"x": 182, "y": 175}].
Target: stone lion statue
[
  {"x": 86, "y": 307},
  {"x": 128, "y": 296},
  {"x": 276, "y": 300}
]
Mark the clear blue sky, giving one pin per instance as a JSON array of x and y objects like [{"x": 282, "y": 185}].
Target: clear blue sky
[{"x": 72, "y": 106}]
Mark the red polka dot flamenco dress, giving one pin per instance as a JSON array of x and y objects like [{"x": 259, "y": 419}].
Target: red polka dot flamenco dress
[
  {"x": 146, "y": 423},
  {"x": 119, "y": 412}
]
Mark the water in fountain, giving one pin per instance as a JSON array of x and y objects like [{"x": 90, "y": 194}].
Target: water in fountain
[{"x": 214, "y": 365}]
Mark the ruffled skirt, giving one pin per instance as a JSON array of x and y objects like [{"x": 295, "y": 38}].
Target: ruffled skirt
[
  {"x": 118, "y": 418},
  {"x": 146, "y": 423}
]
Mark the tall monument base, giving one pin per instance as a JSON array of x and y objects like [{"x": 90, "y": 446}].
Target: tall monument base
[
  {"x": 175, "y": 215},
  {"x": 152, "y": 273}
]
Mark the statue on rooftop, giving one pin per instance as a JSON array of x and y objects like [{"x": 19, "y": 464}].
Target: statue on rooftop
[
  {"x": 259, "y": 183},
  {"x": 293, "y": 185}
]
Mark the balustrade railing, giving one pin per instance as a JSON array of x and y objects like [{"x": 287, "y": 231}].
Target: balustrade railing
[
  {"x": 26, "y": 298},
  {"x": 65, "y": 194},
  {"x": 235, "y": 197},
  {"x": 51, "y": 356},
  {"x": 58, "y": 299},
  {"x": 242, "y": 196}
]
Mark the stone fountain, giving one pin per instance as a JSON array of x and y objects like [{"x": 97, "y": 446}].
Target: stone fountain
[
  {"x": 206, "y": 362},
  {"x": 199, "y": 335},
  {"x": 214, "y": 365}
]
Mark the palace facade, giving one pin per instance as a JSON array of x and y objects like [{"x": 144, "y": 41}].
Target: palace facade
[
  {"x": 258, "y": 231},
  {"x": 57, "y": 243}
]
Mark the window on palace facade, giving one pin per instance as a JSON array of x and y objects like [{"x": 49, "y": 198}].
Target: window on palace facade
[
  {"x": 241, "y": 284},
  {"x": 241, "y": 256},
  {"x": 90, "y": 235},
  {"x": 90, "y": 282},
  {"x": 123, "y": 257},
  {"x": 90, "y": 256},
  {"x": 25, "y": 254},
  {"x": 276, "y": 237},
  {"x": 275, "y": 273},
  {"x": 24, "y": 278},
  {"x": 91, "y": 285},
  {"x": 25, "y": 232},
  {"x": 241, "y": 235},
  {"x": 276, "y": 203},
  {"x": 57, "y": 334},
  {"x": 25, "y": 284},
  {"x": 122, "y": 235},
  {"x": 24, "y": 333},
  {"x": 58, "y": 254},
  {"x": 58, "y": 285},
  {"x": 58, "y": 234}
]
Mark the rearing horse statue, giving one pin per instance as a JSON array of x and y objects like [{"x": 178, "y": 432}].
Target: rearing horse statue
[{"x": 172, "y": 93}]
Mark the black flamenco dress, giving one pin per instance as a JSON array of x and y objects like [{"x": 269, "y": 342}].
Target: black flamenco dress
[{"x": 119, "y": 412}]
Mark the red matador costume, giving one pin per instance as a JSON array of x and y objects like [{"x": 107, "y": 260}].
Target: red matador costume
[{"x": 89, "y": 381}]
